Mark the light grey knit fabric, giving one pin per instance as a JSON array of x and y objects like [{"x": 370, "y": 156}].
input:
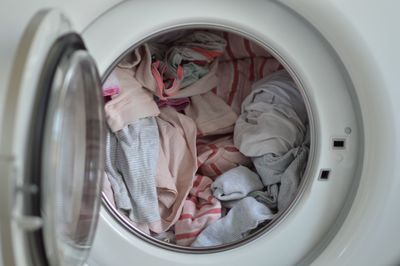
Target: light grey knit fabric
[
  {"x": 236, "y": 183},
  {"x": 131, "y": 163},
  {"x": 270, "y": 166},
  {"x": 290, "y": 179},
  {"x": 273, "y": 131},
  {"x": 268, "y": 197},
  {"x": 273, "y": 118},
  {"x": 246, "y": 215}
]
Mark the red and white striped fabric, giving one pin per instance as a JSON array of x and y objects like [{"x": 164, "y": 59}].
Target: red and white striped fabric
[
  {"x": 199, "y": 210},
  {"x": 240, "y": 48},
  {"x": 216, "y": 156},
  {"x": 242, "y": 63}
]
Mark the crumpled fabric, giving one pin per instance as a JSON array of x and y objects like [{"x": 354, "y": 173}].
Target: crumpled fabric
[
  {"x": 211, "y": 114},
  {"x": 272, "y": 130},
  {"x": 199, "y": 210},
  {"x": 131, "y": 159},
  {"x": 273, "y": 118},
  {"x": 217, "y": 154},
  {"x": 236, "y": 184},
  {"x": 185, "y": 68},
  {"x": 245, "y": 215},
  {"x": 179, "y": 104},
  {"x": 176, "y": 166},
  {"x": 131, "y": 103}
]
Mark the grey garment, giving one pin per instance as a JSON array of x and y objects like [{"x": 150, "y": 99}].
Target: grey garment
[
  {"x": 285, "y": 171},
  {"x": 270, "y": 167},
  {"x": 245, "y": 216},
  {"x": 268, "y": 197},
  {"x": 290, "y": 179},
  {"x": 236, "y": 183},
  {"x": 131, "y": 163},
  {"x": 273, "y": 118}
]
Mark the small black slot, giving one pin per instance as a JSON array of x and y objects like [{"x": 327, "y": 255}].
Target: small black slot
[
  {"x": 338, "y": 143},
  {"x": 324, "y": 174}
]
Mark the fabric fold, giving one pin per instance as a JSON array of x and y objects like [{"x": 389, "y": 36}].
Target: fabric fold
[{"x": 199, "y": 210}]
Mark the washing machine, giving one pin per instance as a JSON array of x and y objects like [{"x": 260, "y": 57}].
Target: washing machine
[{"x": 341, "y": 54}]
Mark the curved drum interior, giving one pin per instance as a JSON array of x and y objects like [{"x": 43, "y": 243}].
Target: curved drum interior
[{"x": 242, "y": 63}]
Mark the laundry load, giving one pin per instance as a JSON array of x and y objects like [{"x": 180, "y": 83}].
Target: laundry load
[
  {"x": 272, "y": 130},
  {"x": 207, "y": 140}
]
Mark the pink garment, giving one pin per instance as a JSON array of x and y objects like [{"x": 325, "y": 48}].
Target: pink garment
[
  {"x": 176, "y": 167},
  {"x": 211, "y": 114},
  {"x": 132, "y": 103},
  {"x": 200, "y": 209},
  {"x": 179, "y": 104},
  {"x": 111, "y": 86},
  {"x": 218, "y": 155}
]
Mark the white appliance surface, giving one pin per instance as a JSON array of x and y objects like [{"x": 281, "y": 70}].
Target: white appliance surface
[{"x": 363, "y": 35}]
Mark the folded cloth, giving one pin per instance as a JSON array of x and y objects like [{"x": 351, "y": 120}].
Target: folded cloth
[
  {"x": 211, "y": 114},
  {"x": 199, "y": 210},
  {"x": 246, "y": 215},
  {"x": 236, "y": 183},
  {"x": 176, "y": 166},
  {"x": 273, "y": 118},
  {"x": 179, "y": 104},
  {"x": 132, "y": 103},
  {"x": 131, "y": 159},
  {"x": 216, "y": 155}
]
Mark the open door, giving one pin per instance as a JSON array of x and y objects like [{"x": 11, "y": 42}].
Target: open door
[{"x": 51, "y": 153}]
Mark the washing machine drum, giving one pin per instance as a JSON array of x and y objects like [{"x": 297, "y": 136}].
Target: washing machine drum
[{"x": 212, "y": 144}]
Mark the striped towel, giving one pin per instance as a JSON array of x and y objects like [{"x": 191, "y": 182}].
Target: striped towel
[
  {"x": 199, "y": 210},
  {"x": 242, "y": 63},
  {"x": 216, "y": 156}
]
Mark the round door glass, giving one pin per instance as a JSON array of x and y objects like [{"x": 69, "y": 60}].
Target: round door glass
[{"x": 73, "y": 159}]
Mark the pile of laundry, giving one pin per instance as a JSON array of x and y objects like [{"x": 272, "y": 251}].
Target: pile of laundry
[{"x": 208, "y": 138}]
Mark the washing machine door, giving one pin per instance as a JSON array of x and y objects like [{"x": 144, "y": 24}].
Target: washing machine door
[{"x": 52, "y": 151}]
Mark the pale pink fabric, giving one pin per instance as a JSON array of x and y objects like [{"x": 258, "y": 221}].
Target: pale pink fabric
[
  {"x": 218, "y": 155},
  {"x": 200, "y": 209},
  {"x": 211, "y": 114},
  {"x": 179, "y": 104},
  {"x": 177, "y": 165},
  {"x": 132, "y": 103}
]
